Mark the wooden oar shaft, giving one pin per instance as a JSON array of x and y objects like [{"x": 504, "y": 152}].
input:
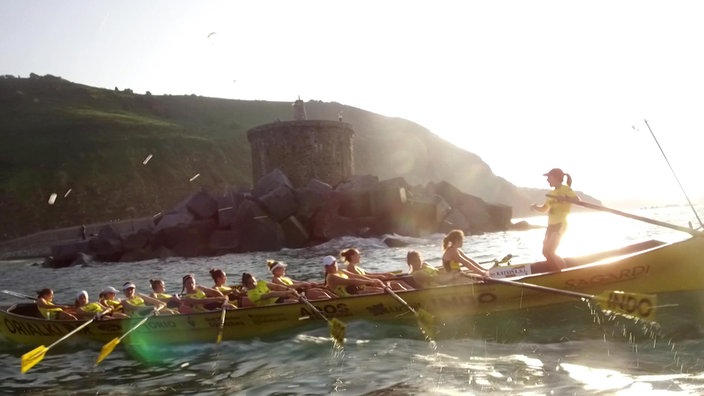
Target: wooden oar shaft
[
  {"x": 399, "y": 299},
  {"x": 20, "y": 295},
  {"x": 141, "y": 322},
  {"x": 632, "y": 216},
  {"x": 313, "y": 308},
  {"x": 72, "y": 332},
  {"x": 532, "y": 286}
]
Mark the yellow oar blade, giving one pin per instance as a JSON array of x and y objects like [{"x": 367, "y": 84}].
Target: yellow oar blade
[
  {"x": 637, "y": 305},
  {"x": 337, "y": 330},
  {"x": 31, "y": 358},
  {"x": 426, "y": 322},
  {"x": 219, "y": 339},
  {"x": 107, "y": 349}
]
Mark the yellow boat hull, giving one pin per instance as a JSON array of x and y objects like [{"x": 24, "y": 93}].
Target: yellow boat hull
[{"x": 662, "y": 269}]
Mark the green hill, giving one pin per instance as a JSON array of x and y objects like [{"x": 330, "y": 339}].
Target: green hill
[{"x": 88, "y": 145}]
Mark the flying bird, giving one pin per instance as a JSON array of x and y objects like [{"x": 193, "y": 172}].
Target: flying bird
[{"x": 210, "y": 34}]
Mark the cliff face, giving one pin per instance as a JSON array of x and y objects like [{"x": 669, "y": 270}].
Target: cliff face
[{"x": 89, "y": 147}]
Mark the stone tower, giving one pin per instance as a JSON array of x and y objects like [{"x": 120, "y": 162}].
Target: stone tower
[{"x": 303, "y": 149}]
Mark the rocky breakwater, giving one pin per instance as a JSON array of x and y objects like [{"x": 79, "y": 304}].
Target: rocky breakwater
[{"x": 274, "y": 215}]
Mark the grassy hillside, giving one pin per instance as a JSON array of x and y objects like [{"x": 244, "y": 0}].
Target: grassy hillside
[{"x": 56, "y": 135}]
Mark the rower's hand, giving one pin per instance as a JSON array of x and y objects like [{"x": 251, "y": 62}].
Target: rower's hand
[
  {"x": 377, "y": 282},
  {"x": 294, "y": 293}
]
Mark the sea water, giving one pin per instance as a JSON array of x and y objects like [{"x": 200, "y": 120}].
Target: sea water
[{"x": 376, "y": 359}]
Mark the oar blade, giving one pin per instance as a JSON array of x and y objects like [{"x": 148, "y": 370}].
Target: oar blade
[
  {"x": 337, "y": 330},
  {"x": 107, "y": 349},
  {"x": 636, "y": 305},
  {"x": 426, "y": 322},
  {"x": 31, "y": 358},
  {"x": 219, "y": 339}
]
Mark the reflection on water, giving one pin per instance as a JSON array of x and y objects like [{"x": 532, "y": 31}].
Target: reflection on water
[{"x": 537, "y": 352}]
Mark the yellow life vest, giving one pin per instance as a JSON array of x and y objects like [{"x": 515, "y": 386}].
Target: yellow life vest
[
  {"x": 163, "y": 296},
  {"x": 93, "y": 307},
  {"x": 198, "y": 294},
  {"x": 49, "y": 313},
  {"x": 286, "y": 280},
  {"x": 341, "y": 290},
  {"x": 114, "y": 304},
  {"x": 428, "y": 270},
  {"x": 255, "y": 295}
]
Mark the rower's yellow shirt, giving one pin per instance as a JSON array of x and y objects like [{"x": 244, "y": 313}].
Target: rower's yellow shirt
[
  {"x": 426, "y": 281},
  {"x": 558, "y": 211},
  {"x": 286, "y": 280},
  {"x": 454, "y": 265},
  {"x": 116, "y": 305},
  {"x": 162, "y": 296},
  {"x": 49, "y": 313},
  {"x": 359, "y": 271},
  {"x": 341, "y": 290},
  {"x": 224, "y": 289},
  {"x": 93, "y": 307},
  {"x": 135, "y": 300},
  {"x": 198, "y": 294},
  {"x": 255, "y": 295}
]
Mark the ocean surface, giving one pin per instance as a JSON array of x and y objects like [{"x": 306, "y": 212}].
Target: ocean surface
[{"x": 376, "y": 359}]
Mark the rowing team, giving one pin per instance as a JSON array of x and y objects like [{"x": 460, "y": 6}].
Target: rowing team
[{"x": 339, "y": 282}]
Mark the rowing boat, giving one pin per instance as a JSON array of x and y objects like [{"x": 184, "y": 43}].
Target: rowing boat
[{"x": 672, "y": 271}]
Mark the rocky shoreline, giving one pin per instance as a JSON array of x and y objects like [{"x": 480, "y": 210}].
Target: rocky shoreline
[{"x": 274, "y": 215}]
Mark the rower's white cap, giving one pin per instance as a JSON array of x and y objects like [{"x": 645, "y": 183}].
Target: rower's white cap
[
  {"x": 110, "y": 289},
  {"x": 329, "y": 260},
  {"x": 82, "y": 293},
  {"x": 128, "y": 285}
]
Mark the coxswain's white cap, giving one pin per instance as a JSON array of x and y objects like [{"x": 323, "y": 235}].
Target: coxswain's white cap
[{"x": 329, "y": 260}]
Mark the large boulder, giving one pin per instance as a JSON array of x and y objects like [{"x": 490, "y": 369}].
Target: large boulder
[
  {"x": 202, "y": 205},
  {"x": 64, "y": 255},
  {"x": 270, "y": 182},
  {"x": 107, "y": 245},
  {"x": 280, "y": 203}
]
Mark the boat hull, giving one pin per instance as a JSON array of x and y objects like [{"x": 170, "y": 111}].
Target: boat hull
[{"x": 666, "y": 270}]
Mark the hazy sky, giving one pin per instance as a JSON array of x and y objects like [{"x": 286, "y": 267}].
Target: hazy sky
[{"x": 526, "y": 85}]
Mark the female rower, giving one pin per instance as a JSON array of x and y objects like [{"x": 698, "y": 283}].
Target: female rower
[
  {"x": 558, "y": 207},
  {"x": 196, "y": 298},
  {"x": 424, "y": 274},
  {"x": 453, "y": 257},
  {"x": 312, "y": 291},
  {"x": 86, "y": 310},
  {"x": 108, "y": 298},
  {"x": 48, "y": 309},
  {"x": 344, "y": 284},
  {"x": 234, "y": 293},
  {"x": 159, "y": 292},
  {"x": 266, "y": 293},
  {"x": 352, "y": 268},
  {"x": 135, "y": 303}
]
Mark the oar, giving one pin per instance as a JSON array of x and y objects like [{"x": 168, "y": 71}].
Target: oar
[
  {"x": 20, "y": 295},
  {"x": 630, "y": 304},
  {"x": 221, "y": 327},
  {"x": 337, "y": 327},
  {"x": 110, "y": 346},
  {"x": 505, "y": 259},
  {"x": 31, "y": 358},
  {"x": 630, "y": 216},
  {"x": 425, "y": 319}
]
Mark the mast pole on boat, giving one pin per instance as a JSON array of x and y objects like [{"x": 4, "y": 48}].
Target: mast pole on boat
[{"x": 701, "y": 224}]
